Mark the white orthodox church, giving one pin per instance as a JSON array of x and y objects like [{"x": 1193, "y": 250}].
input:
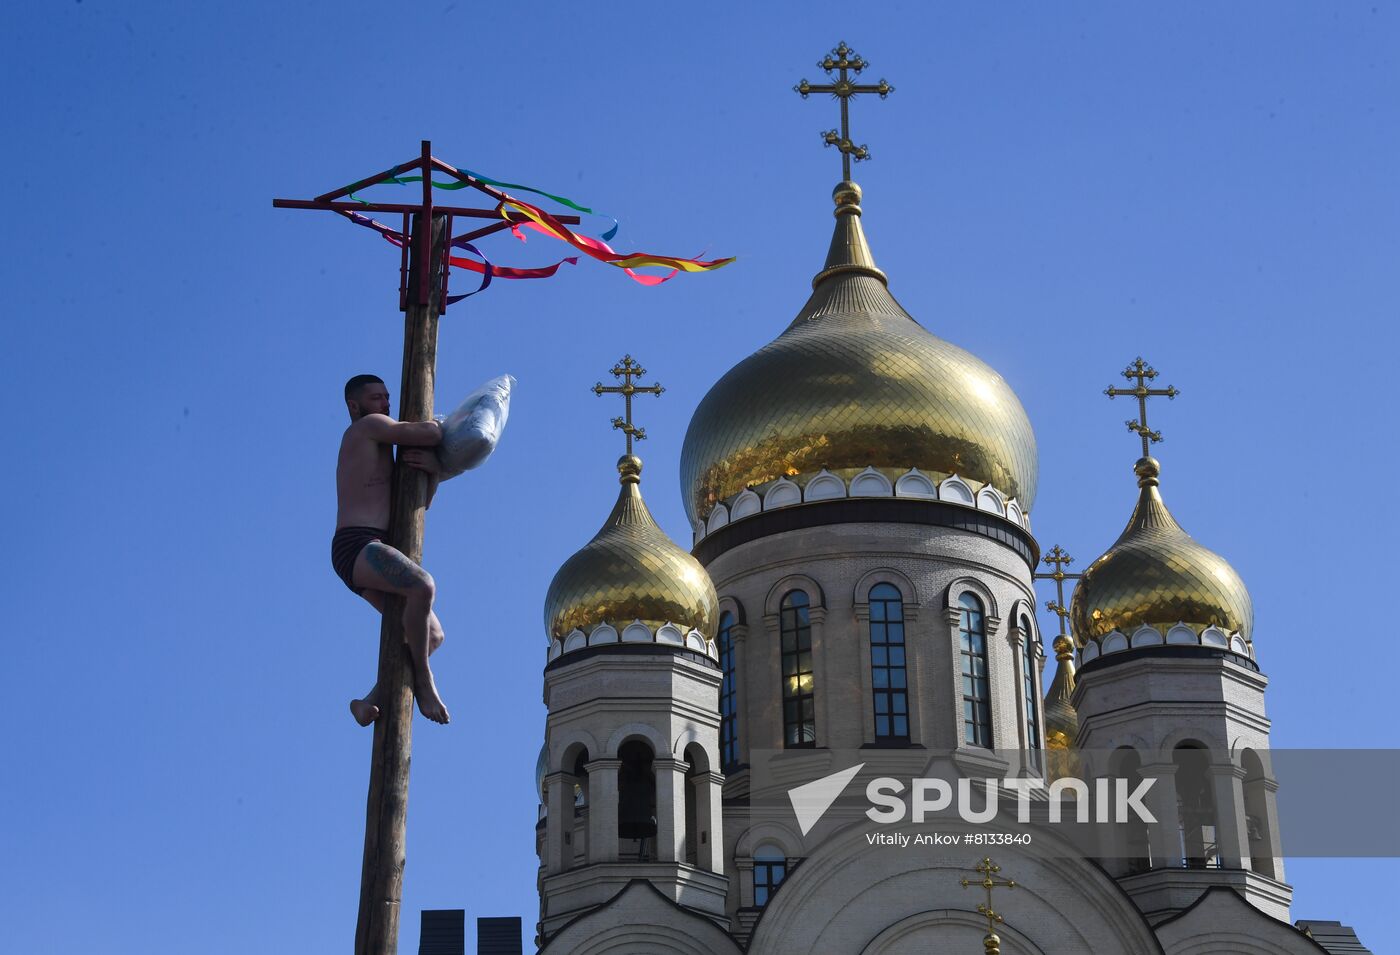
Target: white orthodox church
[{"x": 861, "y": 581}]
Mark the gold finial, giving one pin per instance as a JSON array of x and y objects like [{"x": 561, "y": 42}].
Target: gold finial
[
  {"x": 1147, "y": 470},
  {"x": 987, "y": 868},
  {"x": 627, "y": 369},
  {"x": 1144, "y": 373},
  {"x": 1058, "y": 559},
  {"x": 843, "y": 59},
  {"x": 629, "y": 469}
]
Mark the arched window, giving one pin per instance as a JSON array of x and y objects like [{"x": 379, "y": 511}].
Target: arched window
[
  {"x": 1196, "y": 805},
  {"x": 1135, "y": 845},
  {"x": 636, "y": 803},
  {"x": 570, "y": 830},
  {"x": 1262, "y": 851},
  {"x": 692, "y": 846},
  {"x": 977, "y": 707},
  {"x": 581, "y": 781},
  {"x": 799, "y": 692},
  {"x": 887, "y": 675},
  {"x": 728, "y": 698},
  {"x": 1031, "y": 691},
  {"x": 770, "y": 867}
]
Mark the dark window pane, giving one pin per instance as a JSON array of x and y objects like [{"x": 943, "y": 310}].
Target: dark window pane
[
  {"x": 887, "y": 659},
  {"x": 728, "y": 700}
]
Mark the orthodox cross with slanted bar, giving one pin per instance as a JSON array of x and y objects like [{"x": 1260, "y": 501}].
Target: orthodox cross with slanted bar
[
  {"x": 843, "y": 59},
  {"x": 1058, "y": 559},
  {"x": 1144, "y": 373},
  {"x": 628, "y": 369},
  {"x": 987, "y": 869}
]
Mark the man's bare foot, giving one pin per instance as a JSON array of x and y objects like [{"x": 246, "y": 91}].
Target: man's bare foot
[
  {"x": 425, "y": 692},
  {"x": 364, "y": 712}
]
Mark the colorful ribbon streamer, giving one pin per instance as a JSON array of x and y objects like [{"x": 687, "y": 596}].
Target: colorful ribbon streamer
[
  {"x": 546, "y": 224},
  {"x": 459, "y": 184},
  {"x": 550, "y": 226},
  {"x": 648, "y": 280},
  {"x": 485, "y": 268}
]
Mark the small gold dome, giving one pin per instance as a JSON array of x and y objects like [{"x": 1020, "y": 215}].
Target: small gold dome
[
  {"x": 853, "y": 382},
  {"x": 1061, "y": 721},
  {"x": 629, "y": 571},
  {"x": 1156, "y": 575}
]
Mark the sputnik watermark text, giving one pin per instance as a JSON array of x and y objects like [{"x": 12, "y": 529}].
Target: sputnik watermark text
[{"x": 1112, "y": 800}]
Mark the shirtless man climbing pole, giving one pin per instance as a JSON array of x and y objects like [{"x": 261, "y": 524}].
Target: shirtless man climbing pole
[{"x": 368, "y": 565}]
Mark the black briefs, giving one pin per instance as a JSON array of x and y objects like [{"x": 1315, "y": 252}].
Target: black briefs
[{"x": 346, "y": 546}]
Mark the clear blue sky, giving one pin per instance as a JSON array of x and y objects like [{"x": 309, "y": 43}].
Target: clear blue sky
[{"x": 1057, "y": 188}]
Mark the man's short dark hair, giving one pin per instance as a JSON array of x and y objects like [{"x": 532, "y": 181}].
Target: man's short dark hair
[{"x": 353, "y": 386}]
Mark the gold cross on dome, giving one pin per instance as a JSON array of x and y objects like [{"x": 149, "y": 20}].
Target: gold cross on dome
[
  {"x": 1144, "y": 373},
  {"x": 843, "y": 59},
  {"x": 1058, "y": 559},
  {"x": 627, "y": 369},
  {"x": 987, "y": 869}
]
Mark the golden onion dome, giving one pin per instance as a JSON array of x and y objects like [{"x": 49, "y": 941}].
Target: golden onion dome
[
  {"x": 630, "y": 571},
  {"x": 853, "y": 382},
  {"x": 1156, "y": 575},
  {"x": 1061, "y": 720}
]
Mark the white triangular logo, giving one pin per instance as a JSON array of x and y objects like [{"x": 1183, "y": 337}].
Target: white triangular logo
[{"x": 810, "y": 801}]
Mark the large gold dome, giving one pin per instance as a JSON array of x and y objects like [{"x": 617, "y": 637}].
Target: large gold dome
[
  {"x": 629, "y": 571},
  {"x": 853, "y": 382},
  {"x": 1156, "y": 575}
]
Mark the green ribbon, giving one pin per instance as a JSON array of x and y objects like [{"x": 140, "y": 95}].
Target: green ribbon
[{"x": 458, "y": 184}]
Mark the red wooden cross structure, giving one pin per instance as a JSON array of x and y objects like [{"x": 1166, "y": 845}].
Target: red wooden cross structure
[{"x": 425, "y": 165}]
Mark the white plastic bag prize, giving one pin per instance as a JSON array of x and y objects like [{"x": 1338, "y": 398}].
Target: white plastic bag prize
[{"x": 470, "y": 433}]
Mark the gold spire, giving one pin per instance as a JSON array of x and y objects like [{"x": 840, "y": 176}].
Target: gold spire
[
  {"x": 1061, "y": 721},
  {"x": 991, "y": 943},
  {"x": 630, "y": 570},
  {"x": 849, "y": 251},
  {"x": 1060, "y": 718},
  {"x": 1155, "y": 574},
  {"x": 844, "y": 60}
]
